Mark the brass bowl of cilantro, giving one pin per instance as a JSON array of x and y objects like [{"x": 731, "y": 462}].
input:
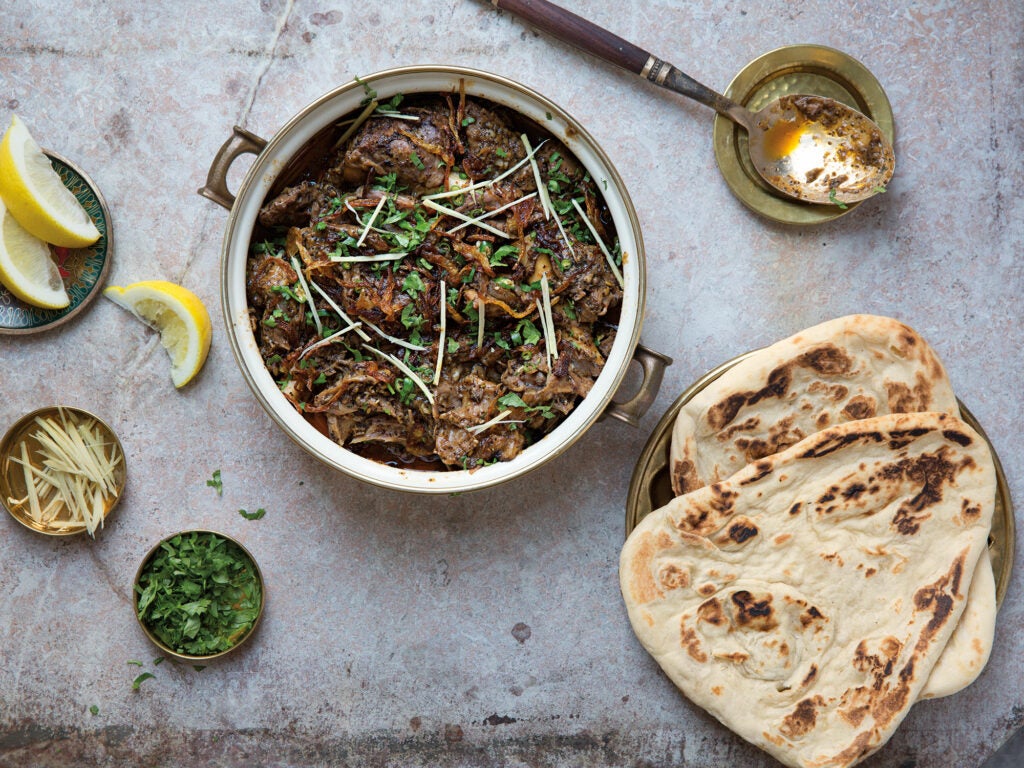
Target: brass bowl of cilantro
[{"x": 198, "y": 595}]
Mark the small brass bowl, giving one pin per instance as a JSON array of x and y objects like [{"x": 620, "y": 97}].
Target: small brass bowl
[
  {"x": 137, "y": 591},
  {"x": 13, "y": 483}
]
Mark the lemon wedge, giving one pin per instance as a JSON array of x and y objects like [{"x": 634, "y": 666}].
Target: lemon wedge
[
  {"x": 177, "y": 314},
  {"x": 26, "y": 267},
  {"x": 36, "y": 196}
]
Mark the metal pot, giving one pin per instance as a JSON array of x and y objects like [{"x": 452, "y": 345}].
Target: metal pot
[{"x": 272, "y": 160}]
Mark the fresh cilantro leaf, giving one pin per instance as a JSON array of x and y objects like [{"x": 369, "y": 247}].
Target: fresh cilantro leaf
[
  {"x": 141, "y": 679},
  {"x": 413, "y": 284}
]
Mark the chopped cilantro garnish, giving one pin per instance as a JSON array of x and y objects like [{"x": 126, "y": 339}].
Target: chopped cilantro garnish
[
  {"x": 512, "y": 400},
  {"x": 413, "y": 284},
  {"x": 215, "y": 483},
  {"x": 497, "y": 259},
  {"x": 409, "y": 317},
  {"x": 525, "y": 332},
  {"x": 198, "y": 594},
  {"x": 836, "y": 201},
  {"x": 252, "y": 515}
]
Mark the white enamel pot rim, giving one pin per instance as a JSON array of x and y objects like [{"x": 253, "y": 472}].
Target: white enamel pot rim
[{"x": 272, "y": 156}]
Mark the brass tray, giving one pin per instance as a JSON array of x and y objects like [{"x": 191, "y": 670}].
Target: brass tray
[
  {"x": 650, "y": 486},
  {"x": 813, "y": 69},
  {"x": 83, "y": 269}
]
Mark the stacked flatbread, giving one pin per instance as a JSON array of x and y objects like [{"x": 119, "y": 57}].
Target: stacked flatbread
[{"x": 807, "y": 587}]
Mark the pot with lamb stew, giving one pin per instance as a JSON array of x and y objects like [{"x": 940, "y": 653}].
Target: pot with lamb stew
[{"x": 433, "y": 279}]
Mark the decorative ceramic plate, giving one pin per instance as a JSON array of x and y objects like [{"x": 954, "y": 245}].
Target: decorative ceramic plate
[
  {"x": 83, "y": 269},
  {"x": 650, "y": 486}
]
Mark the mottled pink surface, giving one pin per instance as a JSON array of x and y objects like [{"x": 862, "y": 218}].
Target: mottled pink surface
[{"x": 484, "y": 629}]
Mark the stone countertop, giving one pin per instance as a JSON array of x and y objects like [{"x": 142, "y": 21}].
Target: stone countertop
[{"x": 484, "y": 629}]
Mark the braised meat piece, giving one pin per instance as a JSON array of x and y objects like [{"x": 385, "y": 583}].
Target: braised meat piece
[
  {"x": 291, "y": 206},
  {"x": 418, "y": 308},
  {"x": 417, "y": 152}
]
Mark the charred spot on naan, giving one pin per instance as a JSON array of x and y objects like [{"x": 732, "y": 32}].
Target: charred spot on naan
[
  {"x": 827, "y": 360},
  {"x": 937, "y": 599},
  {"x": 970, "y": 513},
  {"x": 803, "y": 718},
  {"x": 750, "y": 612},
  {"x": 824, "y": 360},
  {"x": 684, "y": 477},
  {"x": 906, "y": 399},
  {"x": 761, "y": 468},
  {"x": 932, "y": 472},
  {"x": 722, "y": 413},
  {"x": 673, "y": 576},
  {"x": 780, "y": 436},
  {"x": 736, "y": 533},
  {"x": 712, "y": 612},
  {"x": 690, "y": 642},
  {"x": 834, "y": 392},
  {"x": 860, "y": 407},
  {"x": 710, "y": 513}
]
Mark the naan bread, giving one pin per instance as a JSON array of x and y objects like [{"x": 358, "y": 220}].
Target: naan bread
[
  {"x": 804, "y": 600},
  {"x": 854, "y": 367},
  {"x": 850, "y": 368},
  {"x": 968, "y": 649}
]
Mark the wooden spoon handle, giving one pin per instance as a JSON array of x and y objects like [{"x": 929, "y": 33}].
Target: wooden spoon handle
[
  {"x": 577, "y": 31},
  {"x": 587, "y": 36}
]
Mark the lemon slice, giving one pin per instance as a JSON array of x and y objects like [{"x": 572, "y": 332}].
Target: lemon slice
[
  {"x": 179, "y": 316},
  {"x": 36, "y": 196},
  {"x": 26, "y": 267}
]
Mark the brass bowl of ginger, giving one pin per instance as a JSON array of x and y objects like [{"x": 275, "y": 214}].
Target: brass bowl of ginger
[{"x": 62, "y": 471}]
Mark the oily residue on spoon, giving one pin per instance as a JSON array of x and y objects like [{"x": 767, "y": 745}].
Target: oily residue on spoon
[{"x": 816, "y": 149}]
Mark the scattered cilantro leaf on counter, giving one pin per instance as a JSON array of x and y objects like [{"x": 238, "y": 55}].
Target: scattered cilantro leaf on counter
[
  {"x": 94, "y": 709},
  {"x": 157, "y": 660},
  {"x": 138, "y": 681},
  {"x": 252, "y": 515},
  {"x": 198, "y": 667},
  {"x": 135, "y": 663},
  {"x": 216, "y": 483}
]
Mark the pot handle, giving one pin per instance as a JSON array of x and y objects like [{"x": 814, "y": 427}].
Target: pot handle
[
  {"x": 241, "y": 142},
  {"x": 653, "y": 365}
]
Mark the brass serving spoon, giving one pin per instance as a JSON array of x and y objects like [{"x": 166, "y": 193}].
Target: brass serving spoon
[{"x": 808, "y": 147}]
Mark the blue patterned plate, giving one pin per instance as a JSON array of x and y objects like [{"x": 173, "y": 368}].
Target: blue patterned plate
[{"x": 83, "y": 269}]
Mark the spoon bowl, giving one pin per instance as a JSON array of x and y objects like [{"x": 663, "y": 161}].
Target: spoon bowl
[
  {"x": 807, "y": 147},
  {"x": 818, "y": 150}
]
